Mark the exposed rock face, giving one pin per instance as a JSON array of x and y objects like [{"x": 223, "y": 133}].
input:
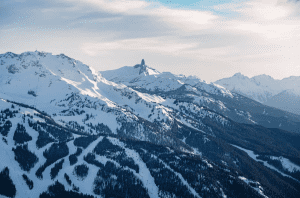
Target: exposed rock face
[
  {"x": 12, "y": 69},
  {"x": 142, "y": 68}
]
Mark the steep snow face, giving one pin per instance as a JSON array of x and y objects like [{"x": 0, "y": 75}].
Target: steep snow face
[
  {"x": 38, "y": 77},
  {"x": 283, "y": 94}
]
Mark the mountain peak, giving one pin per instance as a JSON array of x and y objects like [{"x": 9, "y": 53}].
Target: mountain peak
[
  {"x": 26, "y": 71},
  {"x": 239, "y": 75},
  {"x": 262, "y": 76},
  {"x": 143, "y": 67}
]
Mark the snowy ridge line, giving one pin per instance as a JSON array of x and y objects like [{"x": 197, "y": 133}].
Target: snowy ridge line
[
  {"x": 283, "y": 94},
  {"x": 27, "y": 106}
]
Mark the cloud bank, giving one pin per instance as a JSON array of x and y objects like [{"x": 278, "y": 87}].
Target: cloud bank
[{"x": 252, "y": 37}]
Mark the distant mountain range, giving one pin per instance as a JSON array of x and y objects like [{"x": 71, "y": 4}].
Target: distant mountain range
[
  {"x": 69, "y": 131},
  {"x": 283, "y": 94}
]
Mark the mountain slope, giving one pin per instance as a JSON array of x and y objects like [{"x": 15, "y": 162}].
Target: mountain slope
[
  {"x": 105, "y": 165},
  {"x": 212, "y": 96},
  {"x": 289, "y": 100},
  {"x": 149, "y": 110},
  {"x": 283, "y": 94}
]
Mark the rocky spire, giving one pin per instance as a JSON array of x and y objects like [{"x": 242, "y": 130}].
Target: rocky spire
[{"x": 142, "y": 67}]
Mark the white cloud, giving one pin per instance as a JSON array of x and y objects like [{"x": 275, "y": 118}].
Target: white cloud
[
  {"x": 117, "y": 6},
  {"x": 153, "y": 45},
  {"x": 266, "y": 36},
  {"x": 265, "y": 10},
  {"x": 180, "y": 18},
  {"x": 269, "y": 19},
  {"x": 271, "y": 31},
  {"x": 187, "y": 19},
  {"x": 252, "y": 37}
]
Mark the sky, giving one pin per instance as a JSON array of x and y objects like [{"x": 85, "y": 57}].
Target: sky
[{"x": 209, "y": 39}]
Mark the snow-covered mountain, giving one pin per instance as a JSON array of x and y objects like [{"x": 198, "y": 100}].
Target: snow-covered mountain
[
  {"x": 193, "y": 90},
  {"x": 145, "y": 77},
  {"x": 283, "y": 94},
  {"x": 108, "y": 133},
  {"x": 34, "y": 164}
]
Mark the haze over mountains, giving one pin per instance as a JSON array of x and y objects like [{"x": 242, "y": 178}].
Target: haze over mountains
[
  {"x": 69, "y": 130},
  {"x": 283, "y": 94}
]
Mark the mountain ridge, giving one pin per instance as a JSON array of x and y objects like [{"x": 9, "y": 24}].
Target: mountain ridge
[
  {"x": 166, "y": 119},
  {"x": 266, "y": 90}
]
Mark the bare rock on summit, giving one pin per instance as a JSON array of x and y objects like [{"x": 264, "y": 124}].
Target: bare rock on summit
[{"x": 143, "y": 67}]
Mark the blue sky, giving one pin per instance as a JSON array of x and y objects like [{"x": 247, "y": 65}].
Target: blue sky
[{"x": 210, "y": 39}]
